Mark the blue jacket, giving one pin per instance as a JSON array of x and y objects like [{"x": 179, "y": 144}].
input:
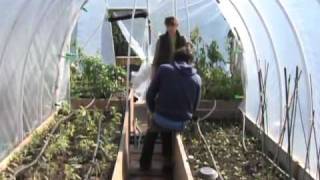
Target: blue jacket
[{"x": 174, "y": 92}]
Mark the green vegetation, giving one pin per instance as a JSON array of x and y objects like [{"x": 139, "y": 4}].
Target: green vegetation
[
  {"x": 69, "y": 154},
  {"x": 90, "y": 77},
  {"x": 217, "y": 81},
  {"x": 224, "y": 138},
  {"x": 120, "y": 43}
]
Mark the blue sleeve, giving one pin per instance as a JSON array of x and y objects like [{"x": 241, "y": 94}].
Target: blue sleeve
[{"x": 153, "y": 90}]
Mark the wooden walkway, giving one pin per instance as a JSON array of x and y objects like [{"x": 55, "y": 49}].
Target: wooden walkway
[{"x": 155, "y": 173}]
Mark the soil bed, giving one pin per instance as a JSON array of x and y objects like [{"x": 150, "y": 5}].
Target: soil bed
[
  {"x": 224, "y": 138},
  {"x": 70, "y": 151}
]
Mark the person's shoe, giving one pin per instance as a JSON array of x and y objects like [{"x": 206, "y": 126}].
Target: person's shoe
[
  {"x": 167, "y": 168},
  {"x": 145, "y": 167}
]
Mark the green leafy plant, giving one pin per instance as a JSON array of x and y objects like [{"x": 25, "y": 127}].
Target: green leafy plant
[
  {"x": 217, "y": 81},
  {"x": 69, "y": 153},
  {"x": 224, "y": 138},
  {"x": 219, "y": 85},
  {"x": 70, "y": 172},
  {"x": 214, "y": 55},
  {"x": 90, "y": 77}
]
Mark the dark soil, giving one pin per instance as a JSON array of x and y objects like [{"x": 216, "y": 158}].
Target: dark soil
[
  {"x": 224, "y": 138},
  {"x": 70, "y": 152}
]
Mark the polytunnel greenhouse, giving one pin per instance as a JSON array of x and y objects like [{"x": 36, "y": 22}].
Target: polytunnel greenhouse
[{"x": 76, "y": 77}]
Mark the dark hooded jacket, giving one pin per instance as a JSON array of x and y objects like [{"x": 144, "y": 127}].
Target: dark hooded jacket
[
  {"x": 174, "y": 91},
  {"x": 164, "y": 54}
]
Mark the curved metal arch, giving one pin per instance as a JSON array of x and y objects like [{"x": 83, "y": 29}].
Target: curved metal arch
[
  {"x": 274, "y": 53},
  {"x": 22, "y": 78},
  {"x": 45, "y": 55},
  {"x": 249, "y": 32},
  {"x": 186, "y": 2},
  {"x": 4, "y": 49},
  {"x": 66, "y": 38},
  {"x": 191, "y": 4},
  {"x": 301, "y": 52},
  {"x": 9, "y": 36},
  {"x": 250, "y": 37}
]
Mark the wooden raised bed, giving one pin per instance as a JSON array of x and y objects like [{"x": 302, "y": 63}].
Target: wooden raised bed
[
  {"x": 5, "y": 162},
  {"x": 224, "y": 109},
  {"x": 272, "y": 148},
  {"x": 122, "y": 162},
  {"x": 43, "y": 128},
  {"x": 121, "y": 167},
  {"x": 182, "y": 168},
  {"x": 122, "y": 61},
  {"x": 99, "y": 103},
  {"x": 121, "y": 170},
  {"x": 229, "y": 110}
]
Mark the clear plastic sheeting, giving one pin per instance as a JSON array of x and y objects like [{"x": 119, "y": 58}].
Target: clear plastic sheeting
[
  {"x": 94, "y": 32},
  {"x": 107, "y": 46},
  {"x": 202, "y": 14},
  {"x": 212, "y": 27},
  {"x": 33, "y": 40},
  {"x": 293, "y": 45},
  {"x": 35, "y": 36},
  {"x": 141, "y": 80},
  {"x": 138, "y": 40},
  {"x": 277, "y": 34}
]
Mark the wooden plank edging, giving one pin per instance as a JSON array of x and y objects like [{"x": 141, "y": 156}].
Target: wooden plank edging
[
  {"x": 6, "y": 161},
  {"x": 272, "y": 147},
  {"x": 122, "y": 163},
  {"x": 182, "y": 168},
  {"x": 101, "y": 103}
]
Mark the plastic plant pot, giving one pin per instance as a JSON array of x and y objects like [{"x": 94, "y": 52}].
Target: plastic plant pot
[{"x": 208, "y": 173}]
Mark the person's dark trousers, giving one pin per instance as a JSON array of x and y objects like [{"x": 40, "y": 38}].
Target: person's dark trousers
[
  {"x": 148, "y": 147},
  {"x": 147, "y": 150},
  {"x": 167, "y": 140}
]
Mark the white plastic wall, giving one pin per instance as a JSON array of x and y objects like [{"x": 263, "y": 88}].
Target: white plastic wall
[
  {"x": 33, "y": 40},
  {"x": 202, "y": 14},
  {"x": 34, "y": 36},
  {"x": 281, "y": 33},
  {"x": 94, "y": 33},
  {"x": 212, "y": 27},
  {"x": 275, "y": 33}
]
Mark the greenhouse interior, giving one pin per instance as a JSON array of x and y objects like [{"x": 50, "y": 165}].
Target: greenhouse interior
[{"x": 82, "y": 98}]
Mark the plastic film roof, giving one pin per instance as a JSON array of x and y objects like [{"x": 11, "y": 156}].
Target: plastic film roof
[
  {"x": 275, "y": 33},
  {"x": 34, "y": 75},
  {"x": 214, "y": 27},
  {"x": 34, "y": 36},
  {"x": 281, "y": 34}
]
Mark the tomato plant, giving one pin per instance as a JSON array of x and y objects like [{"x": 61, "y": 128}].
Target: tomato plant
[
  {"x": 69, "y": 153},
  {"x": 218, "y": 81},
  {"x": 90, "y": 77}
]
